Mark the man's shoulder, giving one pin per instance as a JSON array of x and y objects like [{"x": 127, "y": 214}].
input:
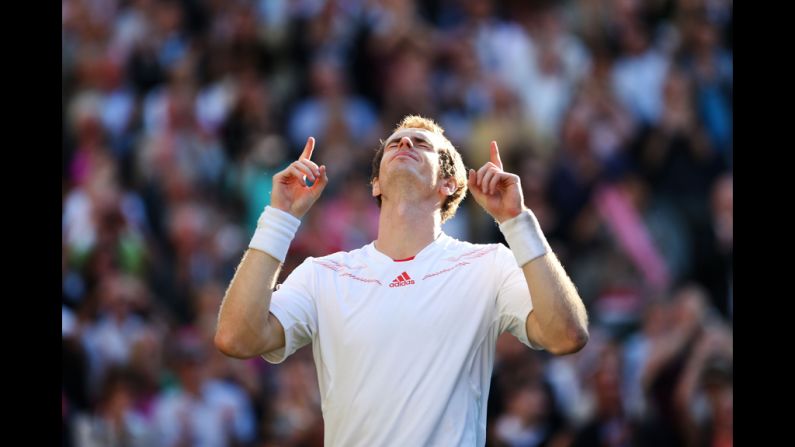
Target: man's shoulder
[
  {"x": 454, "y": 246},
  {"x": 339, "y": 257}
]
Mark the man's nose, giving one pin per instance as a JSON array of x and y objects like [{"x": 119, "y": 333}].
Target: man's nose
[{"x": 405, "y": 142}]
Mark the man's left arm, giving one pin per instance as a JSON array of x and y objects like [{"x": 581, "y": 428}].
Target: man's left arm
[{"x": 558, "y": 321}]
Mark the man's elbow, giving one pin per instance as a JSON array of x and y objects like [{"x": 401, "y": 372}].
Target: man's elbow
[
  {"x": 574, "y": 341},
  {"x": 229, "y": 345}
]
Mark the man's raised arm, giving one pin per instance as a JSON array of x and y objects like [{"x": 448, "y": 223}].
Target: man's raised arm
[
  {"x": 558, "y": 321},
  {"x": 246, "y": 328}
]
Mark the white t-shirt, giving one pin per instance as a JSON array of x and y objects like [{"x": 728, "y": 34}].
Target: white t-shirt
[{"x": 404, "y": 350}]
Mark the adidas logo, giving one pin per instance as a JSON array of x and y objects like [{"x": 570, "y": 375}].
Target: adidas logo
[{"x": 402, "y": 280}]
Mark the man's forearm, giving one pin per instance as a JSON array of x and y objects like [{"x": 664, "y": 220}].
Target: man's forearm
[
  {"x": 245, "y": 327},
  {"x": 558, "y": 321}
]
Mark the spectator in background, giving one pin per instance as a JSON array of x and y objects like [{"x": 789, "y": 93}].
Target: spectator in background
[
  {"x": 639, "y": 72},
  {"x": 663, "y": 369},
  {"x": 296, "y": 416},
  {"x": 147, "y": 367},
  {"x": 462, "y": 91},
  {"x": 609, "y": 426},
  {"x": 109, "y": 338},
  {"x": 201, "y": 410},
  {"x": 680, "y": 164},
  {"x": 710, "y": 65},
  {"x": 177, "y": 146},
  {"x": 407, "y": 72},
  {"x": 250, "y": 117},
  {"x": 531, "y": 418},
  {"x": 575, "y": 173},
  {"x": 556, "y": 64},
  {"x": 115, "y": 421},
  {"x": 704, "y": 393},
  {"x": 330, "y": 103},
  {"x": 655, "y": 321},
  {"x": 676, "y": 156}
]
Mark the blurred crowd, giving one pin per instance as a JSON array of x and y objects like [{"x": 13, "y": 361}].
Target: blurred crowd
[{"x": 617, "y": 115}]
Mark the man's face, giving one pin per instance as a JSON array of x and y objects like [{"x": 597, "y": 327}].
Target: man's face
[{"x": 409, "y": 154}]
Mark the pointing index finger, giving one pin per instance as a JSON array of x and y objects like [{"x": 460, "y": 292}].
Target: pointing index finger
[
  {"x": 495, "y": 155},
  {"x": 308, "y": 149}
]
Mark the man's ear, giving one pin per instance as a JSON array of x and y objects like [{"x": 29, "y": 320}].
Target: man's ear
[
  {"x": 448, "y": 186},
  {"x": 376, "y": 187}
]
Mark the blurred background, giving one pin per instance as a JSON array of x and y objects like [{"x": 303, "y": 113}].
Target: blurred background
[{"x": 617, "y": 115}]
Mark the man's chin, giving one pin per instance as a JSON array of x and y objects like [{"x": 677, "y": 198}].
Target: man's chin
[{"x": 403, "y": 174}]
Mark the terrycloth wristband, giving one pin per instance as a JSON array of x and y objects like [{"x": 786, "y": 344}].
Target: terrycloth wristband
[
  {"x": 275, "y": 230},
  {"x": 524, "y": 236}
]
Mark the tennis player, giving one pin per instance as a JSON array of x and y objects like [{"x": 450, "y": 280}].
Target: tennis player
[{"x": 403, "y": 330}]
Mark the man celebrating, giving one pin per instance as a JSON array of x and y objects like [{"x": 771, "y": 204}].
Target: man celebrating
[{"x": 403, "y": 330}]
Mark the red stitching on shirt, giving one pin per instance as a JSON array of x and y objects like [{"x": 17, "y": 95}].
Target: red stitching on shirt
[
  {"x": 332, "y": 267},
  {"x": 462, "y": 263},
  {"x": 339, "y": 264},
  {"x": 337, "y": 267},
  {"x": 473, "y": 254},
  {"x": 362, "y": 279}
]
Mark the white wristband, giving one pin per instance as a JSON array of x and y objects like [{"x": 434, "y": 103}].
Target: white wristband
[
  {"x": 275, "y": 230},
  {"x": 524, "y": 236}
]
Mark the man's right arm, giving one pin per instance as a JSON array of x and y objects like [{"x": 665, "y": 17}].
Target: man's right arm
[{"x": 246, "y": 327}]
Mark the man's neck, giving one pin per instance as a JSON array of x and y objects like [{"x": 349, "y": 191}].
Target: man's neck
[{"x": 405, "y": 228}]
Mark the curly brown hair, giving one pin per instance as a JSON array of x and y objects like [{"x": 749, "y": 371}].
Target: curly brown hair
[{"x": 450, "y": 162}]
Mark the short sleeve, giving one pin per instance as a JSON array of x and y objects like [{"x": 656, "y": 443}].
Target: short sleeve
[
  {"x": 514, "y": 302},
  {"x": 293, "y": 304}
]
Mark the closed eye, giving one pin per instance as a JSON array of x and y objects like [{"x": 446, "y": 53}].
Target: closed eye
[
  {"x": 422, "y": 144},
  {"x": 419, "y": 143}
]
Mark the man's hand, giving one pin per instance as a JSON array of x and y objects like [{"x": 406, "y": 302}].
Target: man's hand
[
  {"x": 290, "y": 192},
  {"x": 497, "y": 191}
]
